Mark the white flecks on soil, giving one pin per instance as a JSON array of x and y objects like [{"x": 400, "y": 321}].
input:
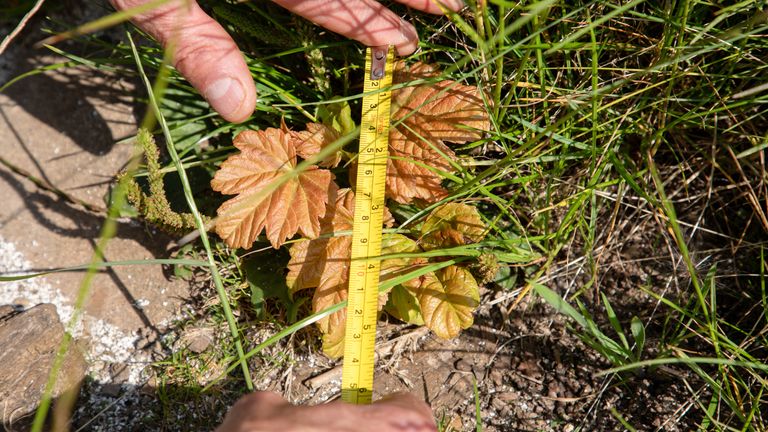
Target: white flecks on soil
[{"x": 107, "y": 344}]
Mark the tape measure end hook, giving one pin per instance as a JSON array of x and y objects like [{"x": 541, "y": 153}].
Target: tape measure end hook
[{"x": 379, "y": 61}]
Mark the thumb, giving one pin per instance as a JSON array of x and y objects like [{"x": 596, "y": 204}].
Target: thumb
[{"x": 203, "y": 53}]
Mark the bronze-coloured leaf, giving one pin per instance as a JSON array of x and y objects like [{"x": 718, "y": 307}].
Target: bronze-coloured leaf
[
  {"x": 396, "y": 267},
  {"x": 430, "y": 114},
  {"x": 296, "y": 203},
  {"x": 333, "y": 342},
  {"x": 327, "y": 256},
  {"x": 316, "y": 137},
  {"x": 447, "y": 298},
  {"x": 323, "y": 263},
  {"x": 328, "y": 293}
]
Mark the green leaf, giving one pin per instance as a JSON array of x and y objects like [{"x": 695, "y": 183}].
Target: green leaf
[
  {"x": 394, "y": 267},
  {"x": 404, "y": 306},
  {"x": 266, "y": 280},
  {"x": 614, "y": 320},
  {"x": 517, "y": 255},
  {"x": 506, "y": 277},
  {"x": 452, "y": 224},
  {"x": 337, "y": 115},
  {"x": 559, "y": 303},
  {"x": 638, "y": 333},
  {"x": 186, "y": 117}
]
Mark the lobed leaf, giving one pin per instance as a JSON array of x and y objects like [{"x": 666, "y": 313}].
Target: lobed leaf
[
  {"x": 450, "y": 225},
  {"x": 328, "y": 293},
  {"x": 394, "y": 267},
  {"x": 430, "y": 115},
  {"x": 404, "y": 305},
  {"x": 295, "y": 205},
  {"x": 310, "y": 141},
  {"x": 323, "y": 263},
  {"x": 447, "y": 298},
  {"x": 337, "y": 115},
  {"x": 333, "y": 342}
]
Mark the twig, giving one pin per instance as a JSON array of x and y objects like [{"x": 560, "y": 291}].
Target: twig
[
  {"x": 42, "y": 184},
  {"x": 7, "y": 40}
]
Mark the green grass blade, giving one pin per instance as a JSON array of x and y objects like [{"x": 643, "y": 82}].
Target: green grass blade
[
  {"x": 108, "y": 264},
  {"x": 198, "y": 220}
]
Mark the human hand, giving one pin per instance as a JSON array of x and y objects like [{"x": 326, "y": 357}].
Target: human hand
[
  {"x": 209, "y": 59},
  {"x": 264, "y": 411}
]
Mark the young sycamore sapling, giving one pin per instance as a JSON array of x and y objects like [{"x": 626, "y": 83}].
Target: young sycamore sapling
[{"x": 274, "y": 197}]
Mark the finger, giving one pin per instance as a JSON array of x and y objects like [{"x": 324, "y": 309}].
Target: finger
[
  {"x": 251, "y": 410},
  {"x": 408, "y": 401},
  {"x": 203, "y": 52},
  {"x": 434, "y": 6},
  {"x": 366, "y": 21},
  {"x": 402, "y": 412}
]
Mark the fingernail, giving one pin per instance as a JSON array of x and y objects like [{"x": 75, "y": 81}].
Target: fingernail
[
  {"x": 225, "y": 95},
  {"x": 410, "y": 38},
  {"x": 454, "y": 5}
]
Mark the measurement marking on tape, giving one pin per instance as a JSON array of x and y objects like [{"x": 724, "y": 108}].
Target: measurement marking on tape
[{"x": 363, "y": 295}]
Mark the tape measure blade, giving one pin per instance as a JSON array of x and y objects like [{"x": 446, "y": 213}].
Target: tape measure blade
[{"x": 362, "y": 299}]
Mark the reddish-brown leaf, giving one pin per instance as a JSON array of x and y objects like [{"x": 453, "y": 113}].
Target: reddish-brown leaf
[
  {"x": 270, "y": 196},
  {"x": 316, "y": 137},
  {"x": 327, "y": 294},
  {"x": 323, "y": 263},
  {"x": 330, "y": 292},
  {"x": 326, "y": 257},
  {"x": 323, "y": 258},
  {"x": 431, "y": 114}
]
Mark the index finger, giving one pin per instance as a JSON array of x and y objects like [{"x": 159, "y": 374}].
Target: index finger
[
  {"x": 434, "y": 6},
  {"x": 366, "y": 21}
]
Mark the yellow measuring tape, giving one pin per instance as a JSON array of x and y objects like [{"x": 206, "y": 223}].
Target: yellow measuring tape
[{"x": 363, "y": 298}]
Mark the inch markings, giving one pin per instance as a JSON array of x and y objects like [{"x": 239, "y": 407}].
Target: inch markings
[{"x": 362, "y": 305}]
